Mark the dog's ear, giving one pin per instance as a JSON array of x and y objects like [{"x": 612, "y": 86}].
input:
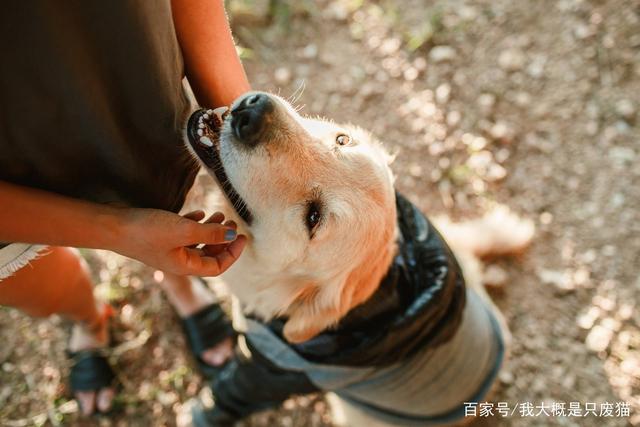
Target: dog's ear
[
  {"x": 320, "y": 306},
  {"x": 315, "y": 309}
]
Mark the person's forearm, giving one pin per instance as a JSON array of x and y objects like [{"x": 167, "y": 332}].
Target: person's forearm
[
  {"x": 212, "y": 65},
  {"x": 33, "y": 216}
]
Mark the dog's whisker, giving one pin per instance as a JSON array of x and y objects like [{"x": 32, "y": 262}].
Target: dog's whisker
[{"x": 297, "y": 94}]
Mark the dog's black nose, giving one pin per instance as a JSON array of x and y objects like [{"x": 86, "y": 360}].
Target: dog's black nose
[{"x": 248, "y": 118}]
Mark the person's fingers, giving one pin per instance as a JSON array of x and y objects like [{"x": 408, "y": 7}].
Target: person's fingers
[
  {"x": 210, "y": 234},
  {"x": 215, "y": 250},
  {"x": 229, "y": 255},
  {"x": 105, "y": 399},
  {"x": 217, "y": 217},
  {"x": 86, "y": 400},
  {"x": 201, "y": 265},
  {"x": 196, "y": 215},
  {"x": 236, "y": 247}
]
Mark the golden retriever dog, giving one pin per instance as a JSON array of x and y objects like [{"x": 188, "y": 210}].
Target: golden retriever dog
[{"x": 325, "y": 230}]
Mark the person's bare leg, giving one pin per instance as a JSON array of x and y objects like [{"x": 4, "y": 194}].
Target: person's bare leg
[
  {"x": 58, "y": 283},
  {"x": 188, "y": 295}
]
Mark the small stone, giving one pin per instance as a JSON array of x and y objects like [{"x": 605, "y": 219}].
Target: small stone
[
  {"x": 250, "y": 13},
  {"x": 603, "y": 302},
  {"x": 443, "y": 92},
  {"x": 622, "y": 127},
  {"x": 480, "y": 161},
  {"x": 588, "y": 319},
  {"x": 310, "y": 51},
  {"x": 453, "y": 118},
  {"x": 622, "y": 155},
  {"x": 420, "y": 63},
  {"x": 282, "y": 75},
  {"x": 415, "y": 170},
  {"x": 502, "y": 155},
  {"x": 611, "y": 324},
  {"x": 411, "y": 73},
  {"x": 561, "y": 280},
  {"x": 598, "y": 339},
  {"x": 569, "y": 381},
  {"x": 625, "y": 311},
  {"x": 582, "y": 31},
  {"x": 512, "y": 60},
  {"x": 506, "y": 377},
  {"x": 625, "y": 109},
  {"x": 592, "y": 127},
  {"x": 501, "y": 131},
  {"x": 522, "y": 99},
  {"x": 539, "y": 385},
  {"x": 581, "y": 276},
  {"x": 536, "y": 67},
  {"x": 467, "y": 13},
  {"x": 337, "y": 11},
  {"x": 494, "y": 276},
  {"x": 546, "y": 218},
  {"x": 440, "y": 54},
  {"x": 390, "y": 46},
  {"x": 496, "y": 172},
  {"x": 588, "y": 256}
]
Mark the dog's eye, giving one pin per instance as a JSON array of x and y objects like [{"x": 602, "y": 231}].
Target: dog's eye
[
  {"x": 313, "y": 217},
  {"x": 343, "y": 139}
]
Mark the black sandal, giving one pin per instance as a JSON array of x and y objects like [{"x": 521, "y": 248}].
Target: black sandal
[
  {"x": 90, "y": 371},
  {"x": 204, "y": 329}
]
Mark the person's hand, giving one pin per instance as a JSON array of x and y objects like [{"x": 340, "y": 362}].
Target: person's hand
[{"x": 168, "y": 241}]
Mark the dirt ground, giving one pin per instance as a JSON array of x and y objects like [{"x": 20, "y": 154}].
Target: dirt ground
[{"x": 530, "y": 104}]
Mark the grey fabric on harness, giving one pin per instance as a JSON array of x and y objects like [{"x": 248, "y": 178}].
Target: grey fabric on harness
[{"x": 420, "y": 378}]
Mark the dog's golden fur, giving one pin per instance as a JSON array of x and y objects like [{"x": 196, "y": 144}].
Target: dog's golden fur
[{"x": 316, "y": 281}]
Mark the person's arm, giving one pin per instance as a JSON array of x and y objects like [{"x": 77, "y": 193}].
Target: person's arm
[
  {"x": 160, "y": 239},
  {"x": 212, "y": 65}
]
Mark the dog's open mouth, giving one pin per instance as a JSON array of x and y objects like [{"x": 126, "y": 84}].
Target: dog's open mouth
[{"x": 203, "y": 133}]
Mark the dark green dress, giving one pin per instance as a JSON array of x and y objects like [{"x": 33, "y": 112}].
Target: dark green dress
[{"x": 92, "y": 101}]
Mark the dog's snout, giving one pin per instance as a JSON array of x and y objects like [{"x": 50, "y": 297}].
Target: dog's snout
[{"x": 248, "y": 117}]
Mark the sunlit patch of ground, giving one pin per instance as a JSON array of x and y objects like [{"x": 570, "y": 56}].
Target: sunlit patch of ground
[{"x": 529, "y": 104}]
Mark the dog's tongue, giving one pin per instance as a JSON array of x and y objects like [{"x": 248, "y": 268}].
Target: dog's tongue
[{"x": 208, "y": 125}]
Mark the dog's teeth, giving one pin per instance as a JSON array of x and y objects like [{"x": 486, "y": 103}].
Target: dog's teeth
[
  {"x": 220, "y": 111},
  {"x": 200, "y": 125},
  {"x": 205, "y": 116},
  {"x": 209, "y": 112},
  {"x": 206, "y": 141},
  {"x": 200, "y": 132}
]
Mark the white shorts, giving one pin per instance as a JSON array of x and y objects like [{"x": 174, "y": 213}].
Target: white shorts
[{"x": 16, "y": 255}]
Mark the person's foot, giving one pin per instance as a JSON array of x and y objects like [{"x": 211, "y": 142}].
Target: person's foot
[
  {"x": 84, "y": 339},
  {"x": 189, "y": 295}
]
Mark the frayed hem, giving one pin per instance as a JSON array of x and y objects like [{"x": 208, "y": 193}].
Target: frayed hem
[{"x": 17, "y": 256}]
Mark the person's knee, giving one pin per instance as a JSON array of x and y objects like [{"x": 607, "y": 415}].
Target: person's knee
[{"x": 42, "y": 288}]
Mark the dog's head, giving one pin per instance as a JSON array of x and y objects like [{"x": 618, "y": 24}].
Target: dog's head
[{"x": 316, "y": 200}]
